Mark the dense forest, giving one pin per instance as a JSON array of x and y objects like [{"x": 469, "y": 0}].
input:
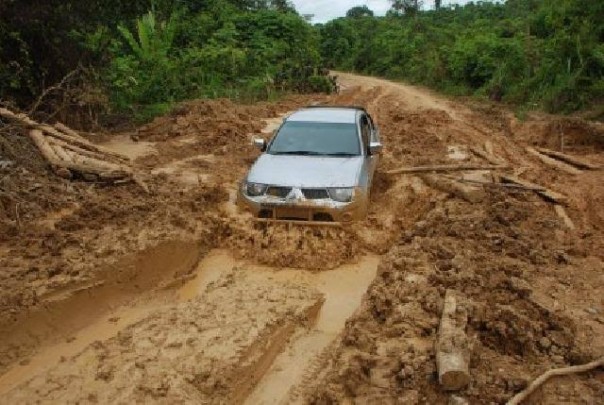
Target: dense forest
[
  {"x": 138, "y": 57},
  {"x": 538, "y": 53}
]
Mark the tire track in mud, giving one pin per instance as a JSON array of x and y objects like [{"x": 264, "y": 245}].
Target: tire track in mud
[{"x": 127, "y": 291}]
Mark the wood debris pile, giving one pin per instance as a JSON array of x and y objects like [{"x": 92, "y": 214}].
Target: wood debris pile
[{"x": 71, "y": 155}]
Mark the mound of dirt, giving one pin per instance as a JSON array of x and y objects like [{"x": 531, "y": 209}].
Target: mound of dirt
[
  {"x": 314, "y": 248},
  {"x": 219, "y": 122},
  {"x": 27, "y": 189},
  {"x": 491, "y": 257},
  {"x": 575, "y": 134}
]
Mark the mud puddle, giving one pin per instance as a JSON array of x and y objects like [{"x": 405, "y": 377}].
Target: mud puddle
[
  {"x": 133, "y": 288},
  {"x": 342, "y": 289},
  {"x": 102, "y": 329},
  {"x": 133, "y": 149}
]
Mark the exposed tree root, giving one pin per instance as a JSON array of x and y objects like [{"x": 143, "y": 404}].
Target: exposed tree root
[{"x": 521, "y": 396}]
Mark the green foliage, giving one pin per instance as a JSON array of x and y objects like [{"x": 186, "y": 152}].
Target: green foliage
[
  {"x": 359, "y": 11},
  {"x": 147, "y": 54},
  {"x": 319, "y": 84},
  {"x": 547, "y": 53}
]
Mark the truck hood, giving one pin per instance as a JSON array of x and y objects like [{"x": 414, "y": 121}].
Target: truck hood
[{"x": 306, "y": 171}]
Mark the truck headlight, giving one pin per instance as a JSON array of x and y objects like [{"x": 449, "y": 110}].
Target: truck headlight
[
  {"x": 341, "y": 194},
  {"x": 255, "y": 189}
]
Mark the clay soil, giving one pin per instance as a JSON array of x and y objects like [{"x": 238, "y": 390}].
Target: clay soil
[{"x": 112, "y": 294}]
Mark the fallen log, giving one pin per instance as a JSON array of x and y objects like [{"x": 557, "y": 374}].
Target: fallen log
[
  {"x": 102, "y": 165},
  {"x": 452, "y": 345},
  {"x": 488, "y": 146},
  {"x": 445, "y": 168},
  {"x": 60, "y": 152},
  {"x": 49, "y": 154},
  {"x": 572, "y": 160},
  {"x": 501, "y": 185},
  {"x": 564, "y": 216},
  {"x": 69, "y": 153},
  {"x": 101, "y": 173},
  {"x": 486, "y": 156},
  {"x": 545, "y": 193},
  {"x": 68, "y": 131},
  {"x": 470, "y": 194},
  {"x": 86, "y": 152},
  {"x": 52, "y": 131},
  {"x": 81, "y": 142},
  {"x": 521, "y": 396},
  {"x": 553, "y": 162},
  {"x": 44, "y": 147}
]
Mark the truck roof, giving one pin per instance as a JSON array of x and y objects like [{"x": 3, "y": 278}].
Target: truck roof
[{"x": 333, "y": 114}]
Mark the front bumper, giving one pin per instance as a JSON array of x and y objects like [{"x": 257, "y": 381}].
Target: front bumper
[{"x": 323, "y": 210}]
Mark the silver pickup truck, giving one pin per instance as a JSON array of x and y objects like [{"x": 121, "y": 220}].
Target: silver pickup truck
[{"x": 318, "y": 167}]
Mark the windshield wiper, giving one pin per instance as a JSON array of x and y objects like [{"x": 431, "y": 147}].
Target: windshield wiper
[
  {"x": 297, "y": 152},
  {"x": 340, "y": 154}
]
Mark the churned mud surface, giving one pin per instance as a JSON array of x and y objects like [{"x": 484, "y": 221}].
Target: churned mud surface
[{"x": 112, "y": 294}]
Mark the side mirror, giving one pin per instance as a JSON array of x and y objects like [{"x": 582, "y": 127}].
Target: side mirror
[
  {"x": 259, "y": 143},
  {"x": 375, "y": 148}
]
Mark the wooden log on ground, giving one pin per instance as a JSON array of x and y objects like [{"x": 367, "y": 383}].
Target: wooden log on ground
[
  {"x": 546, "y": 193},
  {"x": 66, "y": 130},
  {"x": 488, "y": 146},
  {"x": 501, "y": 185},
  {"x": 445, "y": 168},
  {"x": 87, "y": 152},
  {"x": 62, "y": 167},
  {"x": 572, "y": 160},
  {"x": 44, "y": 147},
  {"x": 84, "y": 144},
  {"x": 564, "y": 216},
  {"x": 49, "y": 154},
  {"x": 486, "y": 156},
  {"x": 452, "y": 345},
  {"x": 61, "y": 153},
  {"x": 101, "y": 173},
  {"x": 102, "y": 165},
  {"x": 468, "y": 193},
  {"x": 78, "y": 141},
  {"x": 553, "y": 162},
  {"x": 69, "y": 131},
  {"x": 65, "y": 161},
  {"x": 521, "y": 396}
]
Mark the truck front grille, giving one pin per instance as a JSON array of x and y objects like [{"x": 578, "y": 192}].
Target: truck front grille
[
  {"x": 315, "y": 193},
  {"x": 280, "y": 192}
]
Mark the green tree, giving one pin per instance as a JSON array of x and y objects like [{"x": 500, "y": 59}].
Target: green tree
[{"x": 359, "y": 11}]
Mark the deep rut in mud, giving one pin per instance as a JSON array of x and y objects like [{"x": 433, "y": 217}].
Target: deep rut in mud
[{"x": 281, "y": 358}]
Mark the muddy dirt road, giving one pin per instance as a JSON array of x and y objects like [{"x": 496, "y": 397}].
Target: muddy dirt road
[{"x": 110, "y": 294}]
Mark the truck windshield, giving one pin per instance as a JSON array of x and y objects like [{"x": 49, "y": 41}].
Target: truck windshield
[{"x": 316, "y": 138}]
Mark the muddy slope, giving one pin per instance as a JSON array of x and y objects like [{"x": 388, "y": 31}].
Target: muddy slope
[{"x": 534, "y": 287}]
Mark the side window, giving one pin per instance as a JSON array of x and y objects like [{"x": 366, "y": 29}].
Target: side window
[{"x": 365, "y": 132}]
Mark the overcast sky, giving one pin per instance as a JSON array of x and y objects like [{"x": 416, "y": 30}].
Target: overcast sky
[{"x": 325, "y": 10}]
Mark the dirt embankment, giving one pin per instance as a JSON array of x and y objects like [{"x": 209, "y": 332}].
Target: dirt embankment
[
  {"x": 112, "y": 259},
  {"x": 533, "y": 286}
]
